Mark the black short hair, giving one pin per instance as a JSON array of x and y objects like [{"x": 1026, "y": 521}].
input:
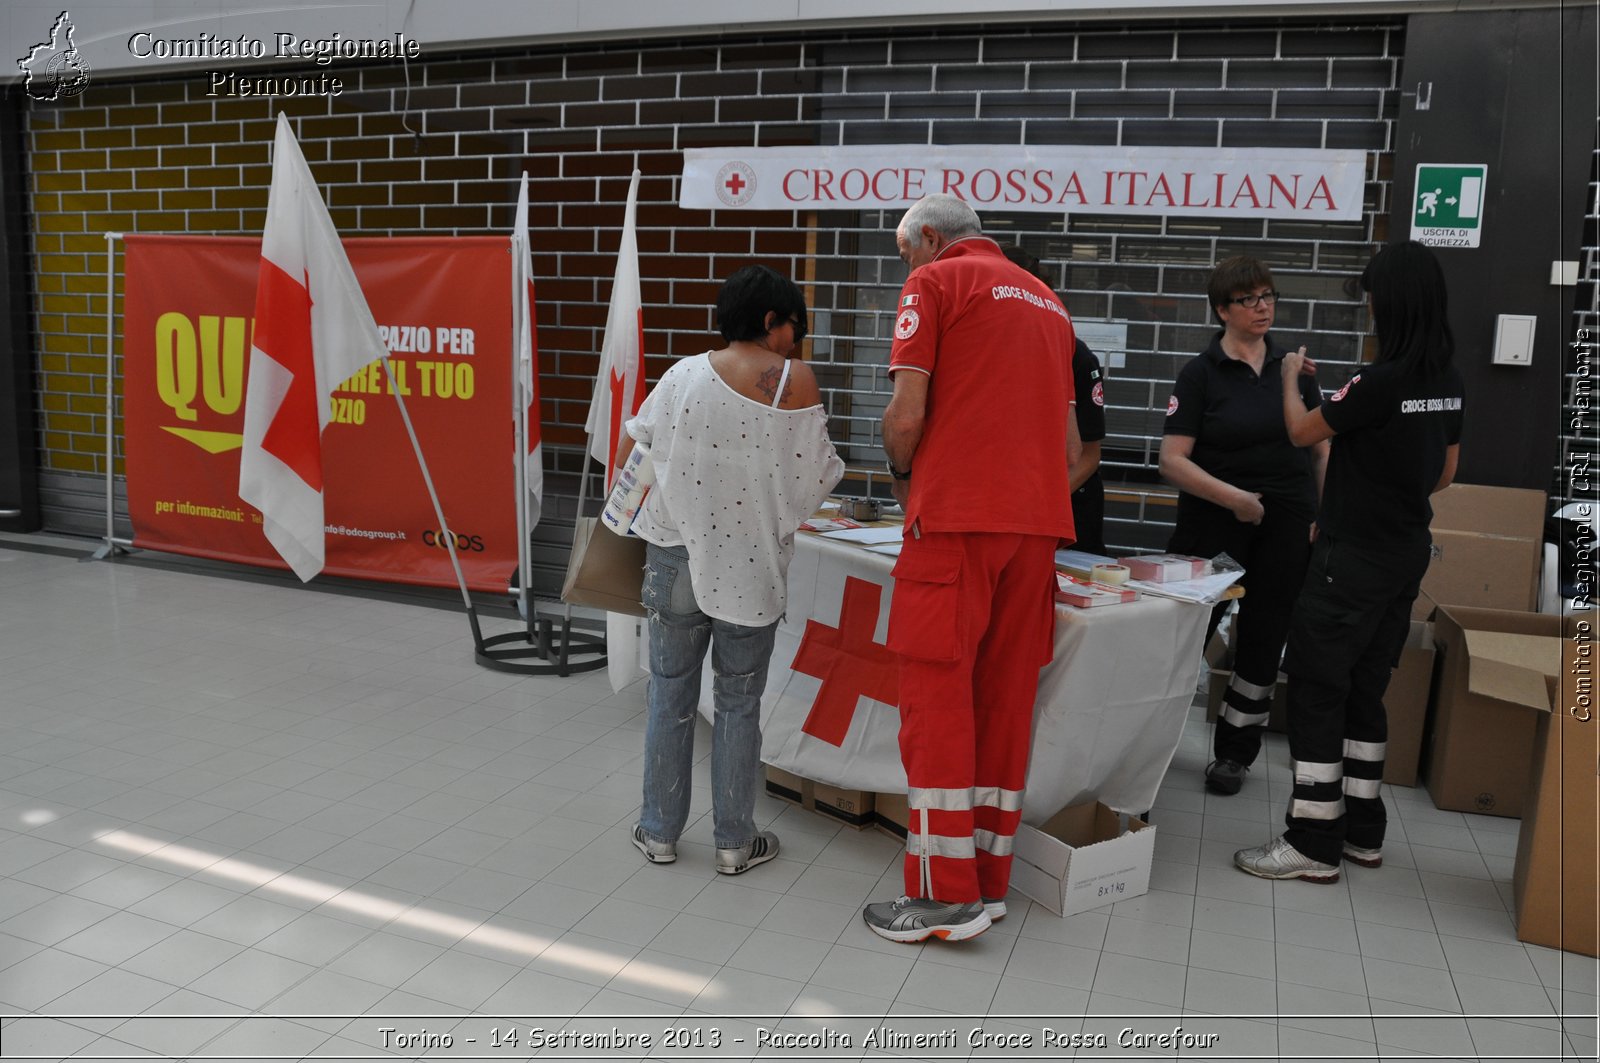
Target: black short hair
[
  {"x": 1241, "y": 273},
  {"x": 1027, "y": 261},
  {"x": 1409, "y": 306},
  {"x": 748, "y": 295}
]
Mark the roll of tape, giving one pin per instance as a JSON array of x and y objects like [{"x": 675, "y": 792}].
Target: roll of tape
[{"x": 1110, "y": 573}]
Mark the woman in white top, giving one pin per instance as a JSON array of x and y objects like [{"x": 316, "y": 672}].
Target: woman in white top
[{"x": 739, "y": 441}]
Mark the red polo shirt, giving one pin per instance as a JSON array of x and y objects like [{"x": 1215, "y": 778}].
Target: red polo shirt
[{"x": 997, "y": 345}]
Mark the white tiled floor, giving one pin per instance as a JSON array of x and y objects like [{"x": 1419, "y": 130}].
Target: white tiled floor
[{"x": 282, "y": 809}]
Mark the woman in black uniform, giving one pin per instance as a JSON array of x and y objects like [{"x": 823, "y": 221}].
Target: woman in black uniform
[
  {"x": 1396, "y": 431},
  {"x": 1244, "y": 490}
]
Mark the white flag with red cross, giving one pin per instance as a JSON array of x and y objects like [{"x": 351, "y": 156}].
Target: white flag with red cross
[
  {"x": 619, "y": 389},
  {"x": 313, "y": 331}
]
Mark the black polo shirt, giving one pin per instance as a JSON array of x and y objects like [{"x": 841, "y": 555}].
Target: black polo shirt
[
  {"x": 1236, "y": 419},
  {"x": 1393, "y": 427},
  {"x": 1089, "y": 392},
  {"x": 1089, "y": 500}
]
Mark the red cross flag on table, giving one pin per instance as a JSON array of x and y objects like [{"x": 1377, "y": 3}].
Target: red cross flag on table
[
  {"x": 829, "y": 711},
  {"x": 313, "y": 331}
]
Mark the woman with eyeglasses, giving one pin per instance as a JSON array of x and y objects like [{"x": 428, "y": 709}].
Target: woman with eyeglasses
[
  {"x": 1245, "y": 490},
  {"x": 739, "y": 441}
]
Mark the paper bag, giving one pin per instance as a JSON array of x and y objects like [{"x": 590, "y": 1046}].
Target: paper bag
[{"x": 606, "y": 570}]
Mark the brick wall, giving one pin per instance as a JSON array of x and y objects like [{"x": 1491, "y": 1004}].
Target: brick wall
[{"x": 442, "y": 156}]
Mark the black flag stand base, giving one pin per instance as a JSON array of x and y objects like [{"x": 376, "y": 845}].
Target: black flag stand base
[{"x": 545, "y": 646}]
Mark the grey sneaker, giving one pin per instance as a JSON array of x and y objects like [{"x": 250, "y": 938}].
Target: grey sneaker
[
  {"x": 1365, "y": 857},
  {"x": 1279, "y": 859},
  {"x": 1225, "y": 776},
  {"x": 654, "y": 851},
  {"x": 737, "y": 861},
  {"x": 995, "y": 908},
  {"x": 919, "y": 918}
]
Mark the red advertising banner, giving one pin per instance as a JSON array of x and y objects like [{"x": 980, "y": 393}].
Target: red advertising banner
[{"x": 443, "y": 307}]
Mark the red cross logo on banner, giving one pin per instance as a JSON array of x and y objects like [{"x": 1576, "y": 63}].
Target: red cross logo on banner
[
  {"x": 735, "y": 184},
  {"x": 849, "y": 663}
]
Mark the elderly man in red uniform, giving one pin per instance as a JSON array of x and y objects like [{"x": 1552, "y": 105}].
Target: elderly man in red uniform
[{"x": 977, "y": 434}]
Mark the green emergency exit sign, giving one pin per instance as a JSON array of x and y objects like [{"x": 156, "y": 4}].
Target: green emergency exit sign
[{"x": 1447, "y": 210}]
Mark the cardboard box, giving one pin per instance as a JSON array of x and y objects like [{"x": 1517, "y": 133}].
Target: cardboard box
[
  {"x": 1081, "y": 858},
  {"x": 1406, "y": 705},
  {"x": 1487, "y": 545},
  {"x": 1481, "y": 751},
  {"x": 1554, "y": 880},
  {"x": 891, "y": 814},
  {"x": 850, "y": 807}
]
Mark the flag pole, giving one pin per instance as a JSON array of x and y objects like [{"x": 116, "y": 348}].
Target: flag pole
[
  {"x": 433, "y": 495},
  {"x": 519, "y": 420}
]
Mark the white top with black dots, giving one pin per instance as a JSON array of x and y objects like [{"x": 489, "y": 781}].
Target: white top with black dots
[{"x": 734, "y": 479}]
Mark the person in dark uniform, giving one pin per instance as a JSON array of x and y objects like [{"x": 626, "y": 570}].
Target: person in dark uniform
[
  {"x": 1396, "y": 431},
  {"x": 1245, "y": 490},
  {"x": 1089, "y": 407}
]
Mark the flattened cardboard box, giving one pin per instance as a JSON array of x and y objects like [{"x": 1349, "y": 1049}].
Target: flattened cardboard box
[
  {"x": 1080, "y": 859},
  {"x": 1554, "y": 879},
  {"x": 1495, "y": 661},
  {"x": 1487, "y": 545},
  {"x": 850, "y": 807}
]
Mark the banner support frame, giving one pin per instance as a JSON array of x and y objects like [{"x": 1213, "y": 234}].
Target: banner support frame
[{"x": 109, "y": 546}]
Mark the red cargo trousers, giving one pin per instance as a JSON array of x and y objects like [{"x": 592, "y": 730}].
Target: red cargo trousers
[{"x": 973, "y": 620}]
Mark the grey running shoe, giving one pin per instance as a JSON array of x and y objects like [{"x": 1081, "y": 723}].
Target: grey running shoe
[
  {"x": 654, "y": 851},
  {"x": 1225, "y": 776},
  {"x": 737, "y": 861},
  {"x": 995, "y": 908},
  {"x": 1365, "y": 857},
  {"x": 1279, "y": 859},
  {"x": 918, "y": 918}
]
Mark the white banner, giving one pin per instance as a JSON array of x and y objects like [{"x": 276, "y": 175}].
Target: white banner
[{"x": 1310, "y": 184}]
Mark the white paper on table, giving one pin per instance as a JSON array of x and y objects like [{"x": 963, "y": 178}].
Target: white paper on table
[
  {"x": 1207, "y": 590},
  {"x": 866, "y": 536},
  {"x": 890, "y": 549}
]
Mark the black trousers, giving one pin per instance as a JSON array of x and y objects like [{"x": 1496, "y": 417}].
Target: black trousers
[
  {"x": 1089, "y": 516},
  {"x": 1349, "y": 628},
  {"x": 1274, "y": 555}
]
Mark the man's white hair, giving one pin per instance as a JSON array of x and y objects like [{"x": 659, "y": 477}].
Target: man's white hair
[{"x": 946, "y": 215}]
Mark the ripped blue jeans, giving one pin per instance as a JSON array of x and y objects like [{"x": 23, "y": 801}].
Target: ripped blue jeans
[{"x": 679, "y": 636}]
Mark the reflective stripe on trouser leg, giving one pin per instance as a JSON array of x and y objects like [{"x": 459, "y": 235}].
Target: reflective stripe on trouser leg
[
  {"x": 1363, "y": 768},
  {"x": 1005, "y": 685},
  {"x": 1318, "y": 791},
  {"x": 1246, "y": 707}
]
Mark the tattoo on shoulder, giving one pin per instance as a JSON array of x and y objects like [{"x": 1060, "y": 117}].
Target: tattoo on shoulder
[{"x": 767, "y": 384}]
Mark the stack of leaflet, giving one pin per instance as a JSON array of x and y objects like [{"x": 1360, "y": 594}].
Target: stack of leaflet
[
  {"x": 1188, "y": 579},
  {"x": 1086, "y": 594},
  {"x": 1080, "y": 563}
]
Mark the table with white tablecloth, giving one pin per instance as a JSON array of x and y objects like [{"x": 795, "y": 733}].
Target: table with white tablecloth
[{"x": 1108, "y": 718}]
